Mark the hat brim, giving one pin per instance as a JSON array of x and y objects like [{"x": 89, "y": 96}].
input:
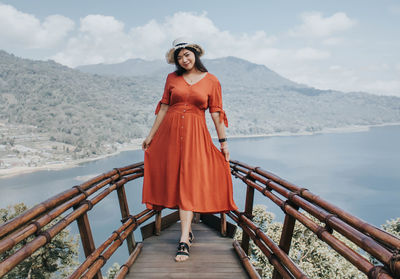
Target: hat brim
[{"x": 170, "y": 54}]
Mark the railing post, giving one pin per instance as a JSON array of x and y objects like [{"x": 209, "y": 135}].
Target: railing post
[
  {"x": 157, "y": 223},
  {"x": 286, "y": 237},
  {"x": 248, "y": 212},
  {"x": 87, "y": 238},
  {"x": 123, "y": 205},
  {"x": 223, "y": 224}
]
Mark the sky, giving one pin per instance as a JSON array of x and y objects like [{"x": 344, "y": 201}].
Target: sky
[{"x": 331, "y": 44}]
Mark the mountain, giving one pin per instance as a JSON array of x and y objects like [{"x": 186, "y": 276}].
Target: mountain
[
  {"x": 52, "y": 105},
  {"x": 73, "y": 114},
  {"x": 229, "y": 70},
  {"x": 130, "y": 67}
]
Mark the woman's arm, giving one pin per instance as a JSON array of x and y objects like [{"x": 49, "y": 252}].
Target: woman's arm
[
  {"x": 219, "y": 126},
  {"x": 156, "y": 124}
]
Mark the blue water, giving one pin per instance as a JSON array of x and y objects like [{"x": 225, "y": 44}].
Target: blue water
[{"x": 359, "y": 172}]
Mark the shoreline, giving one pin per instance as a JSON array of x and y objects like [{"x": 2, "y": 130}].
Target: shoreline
[
  {"x": 7, "y": 173},
  {"x": 136, "y": 145}
]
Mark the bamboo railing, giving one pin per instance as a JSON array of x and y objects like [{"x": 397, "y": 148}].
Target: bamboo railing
[
  {"x": 290, "y": 198},
  {"x": 77, "y": 201}
]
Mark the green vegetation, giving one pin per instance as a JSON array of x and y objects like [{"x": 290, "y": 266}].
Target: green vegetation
[
  {"x": 392, "y": 226},
  {"x": 313, "y": 256},
  {"x": 113, "y": 271},
  {"x": 75, "y": 115},
  {"x": 82, "y": 110},
  {"x": 57, "y": 259}
]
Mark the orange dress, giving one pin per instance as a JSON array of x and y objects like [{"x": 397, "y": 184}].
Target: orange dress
[{"x": 182, "y": 167}]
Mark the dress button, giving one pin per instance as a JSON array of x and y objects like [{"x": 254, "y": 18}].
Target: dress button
[
  {"x": 184, "y": 110},
  {"x": 183, "y": 116},
  {"x": 182, "y": 127},
  {"x": 181, "y": 138}
]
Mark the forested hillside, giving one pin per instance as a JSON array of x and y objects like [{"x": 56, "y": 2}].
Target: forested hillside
[
  {"x": 83, "y": 110},
  {"x": 49, "y": 112},
  {"x": 259, "y": 101}
]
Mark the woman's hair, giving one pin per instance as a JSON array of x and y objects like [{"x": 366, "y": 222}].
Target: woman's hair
[{"x": 198, "y": 64}]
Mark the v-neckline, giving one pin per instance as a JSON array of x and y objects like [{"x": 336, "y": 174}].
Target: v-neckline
[{"x": 196, "y": 81}]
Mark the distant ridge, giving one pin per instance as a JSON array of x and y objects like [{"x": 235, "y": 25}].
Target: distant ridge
[
  {"x": 229, "y": 70},
  {"x": 79, "y": 115},
  {"x": 130, "y": 67}
]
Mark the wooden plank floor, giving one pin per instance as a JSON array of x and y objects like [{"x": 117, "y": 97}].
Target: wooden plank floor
[{"x": 211, "y": 256}]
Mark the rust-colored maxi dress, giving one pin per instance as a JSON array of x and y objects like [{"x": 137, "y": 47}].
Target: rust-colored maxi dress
[{"x": 182, "y": 167}]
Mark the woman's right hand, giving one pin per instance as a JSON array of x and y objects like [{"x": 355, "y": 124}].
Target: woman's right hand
[
  {"x": 225, "y": 151},
  {"x": 146, "y": 143}
]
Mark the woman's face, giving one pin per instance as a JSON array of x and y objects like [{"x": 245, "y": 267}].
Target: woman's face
[{"x": 186, "y": 59}]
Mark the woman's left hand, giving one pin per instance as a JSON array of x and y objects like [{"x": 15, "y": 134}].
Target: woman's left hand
[{"x": 225, "y": 151}]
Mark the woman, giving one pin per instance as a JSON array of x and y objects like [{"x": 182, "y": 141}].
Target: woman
[{"x": 183, "y": 168}]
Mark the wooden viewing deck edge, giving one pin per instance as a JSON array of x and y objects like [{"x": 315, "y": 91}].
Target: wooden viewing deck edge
[{"x": 289, "y": 197}]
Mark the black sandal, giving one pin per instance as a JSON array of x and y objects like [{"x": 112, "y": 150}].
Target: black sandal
[
  {"x": 191, "y": 238},
  {"x": 183, "y": 249}
]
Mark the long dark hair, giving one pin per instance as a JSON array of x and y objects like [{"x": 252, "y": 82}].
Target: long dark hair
[{"x": 198, "y": 64}]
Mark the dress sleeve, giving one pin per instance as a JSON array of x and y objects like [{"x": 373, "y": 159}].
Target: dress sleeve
[
  {"x": 215, "y": 103},
  {"x": 166, "y": 96}
]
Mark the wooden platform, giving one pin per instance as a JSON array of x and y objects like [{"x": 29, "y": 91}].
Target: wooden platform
[{"x": 211, "y": 256}]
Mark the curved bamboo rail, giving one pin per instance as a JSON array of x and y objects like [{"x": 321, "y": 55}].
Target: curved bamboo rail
[
  {"x": 78, "y": 200},
  {"x": 290, "y": 198}
]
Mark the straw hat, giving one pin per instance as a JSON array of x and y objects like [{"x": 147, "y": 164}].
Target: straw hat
[{"x": 182, "y": 43}]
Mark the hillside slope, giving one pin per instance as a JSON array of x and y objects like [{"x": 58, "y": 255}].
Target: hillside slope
[{"x": 71, "y": 114}]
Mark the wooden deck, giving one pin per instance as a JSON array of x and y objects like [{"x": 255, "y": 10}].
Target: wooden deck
[{"x": 211, "y": 256}]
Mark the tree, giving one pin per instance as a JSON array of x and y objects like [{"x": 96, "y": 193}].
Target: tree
[
  {"x": 113, "y": 270},
  {"x": 392, "y": 226},
  {"x": 56, "y": 259}
]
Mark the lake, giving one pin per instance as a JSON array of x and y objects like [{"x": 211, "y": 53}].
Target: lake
[{"x": 357, "y": 171}]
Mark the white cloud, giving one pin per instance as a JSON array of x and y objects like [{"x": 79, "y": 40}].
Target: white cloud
[
  {"x": 100, "y": 25},
  {"x": 335, "y": 68},
  {"x": 333, "y": 41},
  {"x": 315, "y": 25},
  {"x": 113, "y": 43},
  {"x": 18, "y": 29},
  {"x": 379, "y": 67},
  {"x": 382, "y": 87},
  {"x": 187, "y": 23},
  {"x": 339, "y": 77},
  {"x": 311, "y": 54},
  {"x": 101, "y": 39}
]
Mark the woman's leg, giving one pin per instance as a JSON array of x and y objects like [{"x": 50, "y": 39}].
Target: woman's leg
[{"x": 186, "y": 223}]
